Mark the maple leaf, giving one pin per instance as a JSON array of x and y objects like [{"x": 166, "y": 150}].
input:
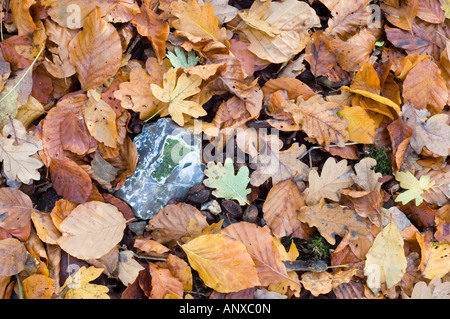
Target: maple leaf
[
  {"x": 175, "y": 91},
  {"x": 78, "y": 286},
  {"x": 180, "y": 60},
  {"x": 16, "y": 150},
  {"x": 385, "y": 260},
  {"x": 415, "y": 188},
  {"x": 226, "y": 184}
]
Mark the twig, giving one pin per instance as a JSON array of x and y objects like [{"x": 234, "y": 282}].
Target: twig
[{"x": 149, "y": 257}]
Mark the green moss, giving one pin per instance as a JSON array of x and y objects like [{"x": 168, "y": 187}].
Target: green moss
[
  {"x": 319, "y": 248},
  {"x": 379, "y": 154}
]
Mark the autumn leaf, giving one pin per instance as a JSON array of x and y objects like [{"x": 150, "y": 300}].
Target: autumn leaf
[
  {"x": 321, "y": 121},
  {"x": 414, "y": 188},
  {"x": 334, "y": 176},
  {"x": 385, "y": 261},
  {"x": 79, "y": 287},
  {"x": 361, "y": 128},
  {"x": 15, "y": 208},
  {"x": 95, "y": 51},
  {"x": 21, "y": 16},
  {"x": 164, "y": 283},
  {"x": 222, "y": 262},
  {"x": 175, "y": 92},
  {"x": 91, "y": 230},
  {"x": 38, "y": 286},
  {"x": 333, "y": 219},
  {"x": 227, "y": 185},
  {"x": 276, "y": 164},
  {"x": 17, "y": 150},
  {"x": 13, "y": 258}
]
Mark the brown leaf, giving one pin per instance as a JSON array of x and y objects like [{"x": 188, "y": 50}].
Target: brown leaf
[
  {"x": 282, "y": 207},
  {"x": 21, "y": 16},
  {"x": 402, "y": 16},
  {"x": 400, "y": 134},
  {"x": 96, "y": 52},
  {"x": 262, "y": 249},
  {"x": 15, "y": 208},
  {"x": 431, "y": 11},
  {"x": 45, "y": 228},
  {"x": 13, "y": 257},
  {"x": 319, "y": 58},
  {"x": 333, "y": 219},
  {"x": 276, "y": 164},
  {"x": 75, "y": 136},
  {"x": 69, "y": 180},
  {"x": 163, "y": 283},
  {"x": 149, "y": 24},
  {"x": 180, "y": 269},
  {"x": 171, "y": 222}
]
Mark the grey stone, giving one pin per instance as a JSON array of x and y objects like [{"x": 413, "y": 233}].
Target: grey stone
[{"x": 169, "y": 165}]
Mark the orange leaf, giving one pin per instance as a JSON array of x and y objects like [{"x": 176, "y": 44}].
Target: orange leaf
[
  {"x": 163, "y": 283},
  {"x": 38, "y": 287},
  {"x": 96, "y": 52},
  {"x": 15, "y": 208},
  {"x": 75, "y": 136},
  {"x": 21, "y": 16},
  {"x": 13, "y": 256},
  {"x": 69, "y": 180}
]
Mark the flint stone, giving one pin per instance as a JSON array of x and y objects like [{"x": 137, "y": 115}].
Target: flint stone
[{"x": 169, "y": 165}]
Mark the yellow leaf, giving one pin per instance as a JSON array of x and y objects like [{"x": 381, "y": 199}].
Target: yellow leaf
[
  {"x": 79, "y": 287},
  {"x": 414, "y": 188},
  {"x": 174, "y": 93},
  {"x": 385, "y": 260},
  {"x": 101, "y": 122},
  {"x": 361, "y": 128},
  {"x": 38, "y": 287},
  {"x": 30, "y": 111},
  {"x": 222, "y": 262},
  {"x": 375, "y": 97}
]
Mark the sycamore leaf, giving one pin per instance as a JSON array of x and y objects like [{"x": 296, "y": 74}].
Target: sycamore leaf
[
  {"x": 318, "y": 119},
  {"x": 226, "y": 184},
  {"x": 180, "y": 60},
  {"x": 16, "y": 151},
  {"x": 385, "y": 260},
  {"x": 175, "y": 92},
  {"x": 79, "y": 286},
  {"x": 415, "y": 188},
  {"x": 222, "y": 262},
  {"x": 91, "y": 230},
  {"x": 334, "y": 176}
]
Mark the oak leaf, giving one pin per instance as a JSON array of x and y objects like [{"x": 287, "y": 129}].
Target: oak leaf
[
  {"x": 91, "y": 230},
  {"x": 96, "y": 52},
  {"x": 175, "y": 92},
  {"x": 17, "y": 148},
  {"x": 430, "y": 132},
  {"x": 333, "y": 219},
  {"x": 385, "y": 261},
  {"x": 222, "y": 262},
  {"x": 228, "y": 185},
  {"x": 334, "y": 176}
]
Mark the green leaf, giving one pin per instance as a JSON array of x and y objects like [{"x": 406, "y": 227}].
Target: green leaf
[
  {"x": 179, "y": 60},
  {"x": 414, "y": 187},
  {"x": 227, "y": 185}
]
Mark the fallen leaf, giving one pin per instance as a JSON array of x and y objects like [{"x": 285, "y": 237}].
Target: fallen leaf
[
  {"x": 164, "y": 283},
  {"x": 175, "y": 92},
  {"x": 334, "y": 176},
  {"x": 333, "y": 219},
  {"x": 227, "y": 185},
  {"x": 38, "y": 286},
  {"x": 414, "y": 187},
  {"x": 91, "y": 230},
  {"x": 79, "y": 287},
  {"x": 171, "y": 222},
  {"x": 385, "y": 261},
  {"x": 13, "y": 257},
  {"x": 361, "y": 128},
  {"x": 45, "y": 227},
  {"x": 95, "y": 51},
  {"x": 435, "y": 289},
  {"x": 128, "y": 267},
  {"x": 223, "y": 10},
  {"x": 282, "y": 207},
  {"x": 222, "y": 262}
]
